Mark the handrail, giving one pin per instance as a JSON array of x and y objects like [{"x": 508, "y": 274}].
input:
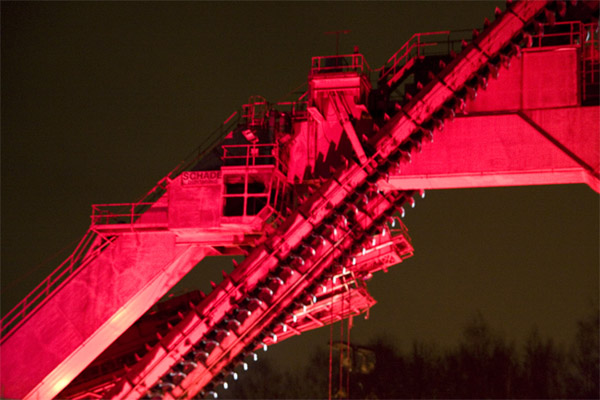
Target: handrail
[
  {"x": 341, "y": 63},
  {"x": 417, "y": 37},
  {"x": 32, "y": 301},
  {"x": 117, "y": 213},
  {"x": 410, "y": 49},
  {"x": 297, "y": 107},
  {"x": 254, "y": 112},
  {"x": 416, "y": 45},
  {"x": 250, "y": 153},
  {"x": 553, "y": 36}
]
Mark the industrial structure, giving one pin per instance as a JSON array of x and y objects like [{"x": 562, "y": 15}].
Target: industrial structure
[{"x": 311, "y": 192}]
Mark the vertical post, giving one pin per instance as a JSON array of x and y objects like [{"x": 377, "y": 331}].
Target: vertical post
[
  {"x": 582, "y": 64},
  {"x": 571, "y": 29},
  {"x": 245, "y": 208}
]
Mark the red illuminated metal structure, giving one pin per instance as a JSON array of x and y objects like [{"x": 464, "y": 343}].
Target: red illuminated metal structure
[{"x": 310, "y": 193}]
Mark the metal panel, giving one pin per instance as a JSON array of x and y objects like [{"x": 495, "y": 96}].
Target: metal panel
[
  {"x": 503, "y": 93},
  {"x": 550, "y": 78}
]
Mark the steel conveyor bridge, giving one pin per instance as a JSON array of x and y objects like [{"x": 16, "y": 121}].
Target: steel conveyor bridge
[{"x": 311, "y": 193}]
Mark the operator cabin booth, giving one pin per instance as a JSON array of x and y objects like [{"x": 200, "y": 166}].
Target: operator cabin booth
[{"x": 239, "y": 185}]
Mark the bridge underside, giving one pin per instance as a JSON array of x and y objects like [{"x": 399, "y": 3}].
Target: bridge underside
[{"x": 536, "y": 147}]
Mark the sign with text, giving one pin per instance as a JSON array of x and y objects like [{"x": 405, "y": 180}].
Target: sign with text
[{"x": 201, "y": 178}]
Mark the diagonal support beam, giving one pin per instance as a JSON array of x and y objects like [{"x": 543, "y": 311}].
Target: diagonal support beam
[
  {"x": 344, "y": 119},
  {"x": 593, "y": 171}
]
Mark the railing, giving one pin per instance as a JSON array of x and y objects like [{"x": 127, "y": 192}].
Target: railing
[
  {"x": 397, "y": 227},
  {"x": 296, "y": 108},
  {"x": 421, "y": 45},
  {"x": 559, "y": 34},
  {"x": 255, "y": 111},
  {"x": 415, "y": 47},
  {"x": 80, "y": 256},
  {"x": 251, "y": 154},
  {"x": 120, "y": 213},
  {"x": 344, "y": 63}
]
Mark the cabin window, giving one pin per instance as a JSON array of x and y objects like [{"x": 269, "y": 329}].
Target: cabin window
[{"x": 245, "y": 194}]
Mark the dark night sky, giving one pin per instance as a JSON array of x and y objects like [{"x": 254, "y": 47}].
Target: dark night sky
[{"x": 100, "y": 100}]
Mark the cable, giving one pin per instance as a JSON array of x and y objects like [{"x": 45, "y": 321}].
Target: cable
[
  {"x": 349, "y": 323},
  {"x": 342, "y": 347},
  {"x": 331, "y": 349}
]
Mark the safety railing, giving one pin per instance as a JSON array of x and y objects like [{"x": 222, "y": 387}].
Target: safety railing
[
  {"x": 421, "y": 45},
  {"x": 82, "y": 254},
  {"x": 297, "y": 109},
  {"x": 560, "y": 34},
  {"x": 122, "y": 213},
  {"x": 250, "y": 154},
  {"x": 397, "y": 227},
  {"x": 417, "y": 46},
  {"x": 255, "y": 111},
  {"x": 342, "y": 63}
]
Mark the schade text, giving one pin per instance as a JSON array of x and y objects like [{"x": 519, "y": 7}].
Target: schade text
[{"x": 201, "y": 178}]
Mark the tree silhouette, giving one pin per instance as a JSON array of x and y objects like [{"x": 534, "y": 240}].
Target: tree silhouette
[
  {"x": 543, "y": 368},
  {"x": 584, "y": 359},
  {"x": 482, "y": 365}
]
